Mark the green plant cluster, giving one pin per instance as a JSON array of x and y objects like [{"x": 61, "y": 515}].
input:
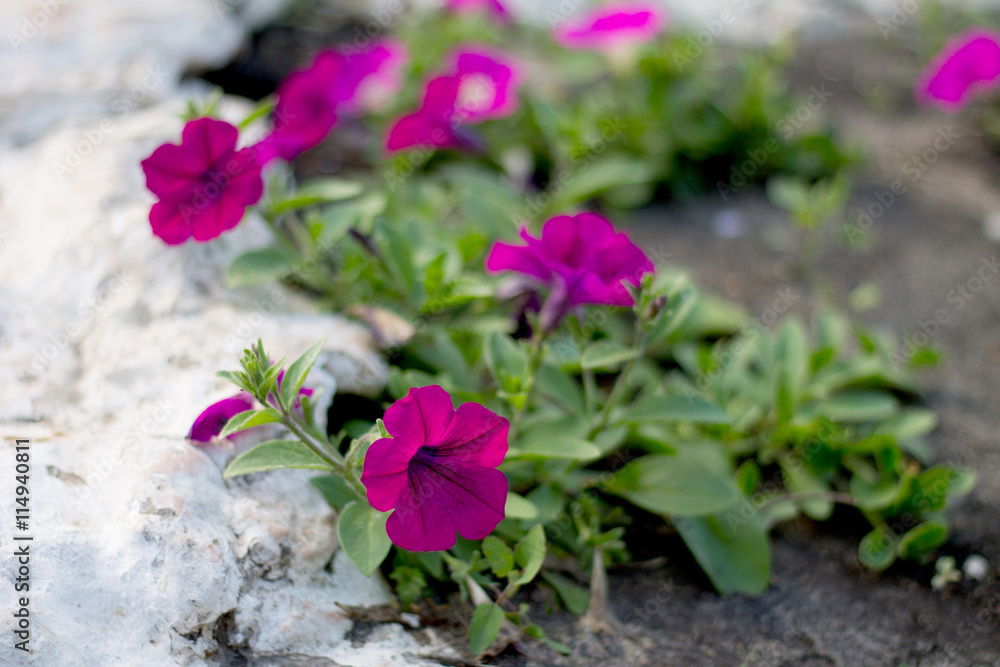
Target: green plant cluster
[{"x": 676, "y": 407}]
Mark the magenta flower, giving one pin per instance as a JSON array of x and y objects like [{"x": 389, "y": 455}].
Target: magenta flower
[
  {"x": 204, "y": 184},
  {"x": 438, "y": 471},
  {"x": 611, "y": 27},
  {"x": 487, "y": 85},
  {"x": 967, "y": 65},
  {"x": 307, "y": 108},
  {"x": 372, "y": 75},
  {"x": 433, "y": 125},
  {"x": 482, "y": 86},
  {"x": 211, "y": 422},
  {"x": 471, "y": 6},
  {"x": 581, "y": 259}
]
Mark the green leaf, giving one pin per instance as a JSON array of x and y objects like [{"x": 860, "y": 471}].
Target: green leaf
[
  {"x": 873, "y": 496},
  {"x": 748, "y": 477},
  {"x": 399, "y": 256},
  {"x": 606, "y": 354},
  {"x": 530, "y": 553},
  {"x": 336, "y": 490},
  {"x": 249, "y": 419},
  {"x": 909, "y": 424},
  {"x": 732, "y": 550},
  {"x": 798, "y": 479},
  {"x": 296, "y": 374},
  {"x": 561, "y": 388},
  {"x": 682, "y": 484},
  {"x": 258, "y": 267},
  {"x": 576, "y": 449},
  {"x": 877, "y": 550},
  {"x": 662, "y": 408},
  {"x": 361, "y": 529},
  {"x": 575, "y": 597},
  {"x": 605, "y": 174},
  {"x": 858, "y": 406},
  {"x": 506, "y": 360},
  {"x": 485, "y": 626},
  {"x": 498, "y": 555},
  {"x": 276, "y": 454},
  {"x": 921, "y": 540},
  {"x": 319, "y": 191},
  {"x": 519, "y": 507}
]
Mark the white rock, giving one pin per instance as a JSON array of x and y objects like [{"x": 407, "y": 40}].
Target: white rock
[
  {"x": 109, "y": 341},
  {"x": 976, "y": 567}
]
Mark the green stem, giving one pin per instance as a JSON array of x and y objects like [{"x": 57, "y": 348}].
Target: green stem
[
  {"x": 534, "y": 363},
  {"x": 613, "y": 397},
  {"x": 321, "y": 450}
]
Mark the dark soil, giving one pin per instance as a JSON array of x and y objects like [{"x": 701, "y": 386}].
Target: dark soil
[{"x": 823, "y": 608}]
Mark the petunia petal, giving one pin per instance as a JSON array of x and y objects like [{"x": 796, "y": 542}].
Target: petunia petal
[
  {"x": 385, "y": 471},
  {"x": 421, "y": 416},
  {"x": 440, "y": 500},
  {"x": 212, "y": 420},
  {"x": 476, "y": 436}
]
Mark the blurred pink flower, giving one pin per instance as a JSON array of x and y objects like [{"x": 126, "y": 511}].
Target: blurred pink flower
[
  {"x": 211, "y": 422},
  {"x": 438, "y": 470},
  {"x": 203, "y": 184},
  {"x": 481, "y": 86},
  {"x": 372, "y": 75},
  {"x": 433, "y": 124},
  {"x": 488, "y": 85},
  {"x": 581, "y": 259},
  {"x": 306, "y": 110},
  {"x": 470, "y": 6},
  {"x": 612, "y": 26},
  {"x": 968, "y": 64}
]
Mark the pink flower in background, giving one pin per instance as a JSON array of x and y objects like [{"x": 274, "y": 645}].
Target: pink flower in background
[
  {"x": 306, "y": 110},
  {"x": 432, "y": 125},
  {"x": 581, "y": 259},
  {"x": 471, "y": 6},
  {"x": 968, "y": 64},
  {"x": 204, "y": 184},
  {"x": 488, "y": 85},
  {"x": 481, "y": 86},
  {"x": 438, "y": 471},
  {"x": 211, "y": 422},
  {"x": 611, "y": 27},
  {"x": 371, "y": 76}
]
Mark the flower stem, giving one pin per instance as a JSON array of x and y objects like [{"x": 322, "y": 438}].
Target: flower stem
[
  {"x": 613, "y": 398},
  {"x": 534, "y": 363},
  {"x": 321, "y": 450}
]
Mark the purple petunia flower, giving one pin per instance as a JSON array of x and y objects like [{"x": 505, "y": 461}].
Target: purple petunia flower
[
  {"x": 306, "y": 110},
  {"x": 494, "y": 7},
  {"x": 481, "y": 87},
  {"x": 204, "y": 184},
  {"x": 438, "y": 471},
  {"x": 372, "y": 75},
  {"x": 968, "y": 64},
  {"x": 581, "y": 259},
  {"x": 211, "y": 422},
  {"x": 487, "y": 85},
  {"x": 611, "y": 27},
  {"x": 432, "y": 125}
]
